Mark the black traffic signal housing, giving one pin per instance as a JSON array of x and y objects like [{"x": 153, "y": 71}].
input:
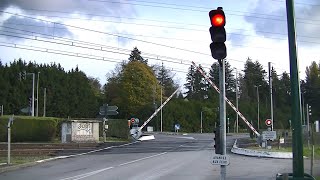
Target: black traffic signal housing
[
  {"x": 218, "y": 34},
  {"x": 217, "y": 141},
  {"x": 309, "y": 109}
]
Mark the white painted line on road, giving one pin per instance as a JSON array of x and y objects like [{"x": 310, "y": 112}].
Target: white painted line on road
[
  {"x": 80, "y": 154},
  {"x": 182, "y": 137},
  {"x": 130, "y": 162},
  {"x": 81, "y": 176}
]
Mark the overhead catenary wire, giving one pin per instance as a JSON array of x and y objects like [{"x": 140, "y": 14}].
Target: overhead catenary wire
[{"x": 151, "y": 25}]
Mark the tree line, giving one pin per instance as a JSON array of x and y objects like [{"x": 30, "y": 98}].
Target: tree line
[{"x": 135, "y": 87}]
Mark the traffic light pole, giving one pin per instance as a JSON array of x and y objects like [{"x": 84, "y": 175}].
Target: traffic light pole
[
  {"x": 297, "y": 146},
  {"x": 222, "y": 109}
]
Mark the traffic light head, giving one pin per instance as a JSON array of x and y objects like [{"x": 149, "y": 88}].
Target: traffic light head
[
  {"x": 217, "y": 18},
  {"x": 217, "y": 141},
  {"x": 218, "y": 34},
  {"x": 309, "y": 109}
]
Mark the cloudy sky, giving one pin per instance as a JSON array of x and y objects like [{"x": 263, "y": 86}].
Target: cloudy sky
[{"x": 98, "y": 34}]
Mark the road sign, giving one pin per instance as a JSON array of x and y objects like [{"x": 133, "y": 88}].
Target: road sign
[
  {"x": 269, "y": 135},
  {"x": 26, "y": 110},
  {"x": 221, "y": 160},
  {"x": 111, "y": 110},
  {"x": 268, "y": 122},
  {"x": 177, "y": 126}
]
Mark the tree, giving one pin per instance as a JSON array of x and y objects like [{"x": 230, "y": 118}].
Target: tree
[
  {"x": 229, "y": 78},
  {"x": 165, "y": 78},
  {"x": 312, "y": 89},
  {"x": 136, "y": 84},
  {"x": 197, "y": 87},
  {"x": 136, "y": 56}
]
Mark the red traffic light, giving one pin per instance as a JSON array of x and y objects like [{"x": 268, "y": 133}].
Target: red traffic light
[
  {"x": 218, "y": 20},
  {"x": 268, "y": 122}
]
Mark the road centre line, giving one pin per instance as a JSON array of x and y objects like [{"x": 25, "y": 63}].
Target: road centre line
[
  {"x": 97, "y": 150},
  {"x": 81, "y": 176}
]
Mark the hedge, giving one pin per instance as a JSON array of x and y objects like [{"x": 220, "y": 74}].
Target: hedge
[
  {"x": 29, "y": 129},
  {"x": 118, "y": 128}
]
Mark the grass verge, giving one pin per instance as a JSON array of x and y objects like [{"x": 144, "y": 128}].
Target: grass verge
[
  {"x": 113, "y": 139},
  {"x": 306, "y": 150},
  {"x": 22, "y": 159}
]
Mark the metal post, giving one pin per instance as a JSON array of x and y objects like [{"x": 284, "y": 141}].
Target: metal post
[
  {"x": 161, "y": 109},
  {"x": 308, "y": 126},
  {"x": 228, "y": 125},
  {"x": 312, "y": 151},
  {"x": 37, "y": 110},
  {"x": 1, "y": 110},
  {"x": 222, "y": 109},
  {"x": 237, "y": 103},
  {"x": 271, "y": 100},
  {"x": 258, "y": 101},
  {"x": 44, "y": 101},
  {"x": 303, "y": 114},
  {"x": 201, "y": 122},
  {"x": 32, "y": 106},
  {"x": 161, "y": 95},
  {"x": 104, "y": 130},
  {"x": 9, "y": 143},
  {"x": 297, "y": 146}
]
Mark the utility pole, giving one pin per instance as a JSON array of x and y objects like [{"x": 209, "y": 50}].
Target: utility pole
[
  {"x": 32, "y": 108},
  {"x": 44, "y": 101},
  {"x": 258, "y": 101},
  {"x": 271, "y": 100},
  {"x": 308, "y": 124},
  {"x": 237, "y": 97},
  {"x": 161, "y": 95},
  {"x": 222, "y": 114},
  {"x": 297, "y": 145},
  {"x": 201, "y": 122},
  {"x": 37, "y": 111},
  {"x": 303, "y": 114}
]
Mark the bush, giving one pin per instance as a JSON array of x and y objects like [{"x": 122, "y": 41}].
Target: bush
[
  {"x": 26, "y": 128},
  {"x": 118, "y": 128}
]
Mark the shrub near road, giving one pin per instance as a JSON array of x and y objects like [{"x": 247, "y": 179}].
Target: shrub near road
[{"x": 29, "y": 129}]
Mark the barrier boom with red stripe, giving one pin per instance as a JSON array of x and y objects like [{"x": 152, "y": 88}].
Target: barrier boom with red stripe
[
  {"x": 155, "y": 112},
  {"x": 227, "y": 100}
]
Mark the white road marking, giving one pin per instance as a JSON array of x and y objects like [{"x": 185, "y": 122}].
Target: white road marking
[
  {"x": 130, "y": 162},
  {"x": 81, "y": 176},
  {"x": 97, "y": 150},
  {"x": 182, "y": 137}
]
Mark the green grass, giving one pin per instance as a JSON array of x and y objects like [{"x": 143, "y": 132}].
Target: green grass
[
  {"x": 306, "y": 150},
  {"x": 22, "y": 159},
  {"x": 113, "y": 139}
]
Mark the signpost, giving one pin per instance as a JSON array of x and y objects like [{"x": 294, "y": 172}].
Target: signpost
[
  {"x": 177, "y": 127},
  {"x": 269, "y": 135},
  {"x": 105, "y": 111},
  {"x": 221, "y": 160},
  {"x": 10, "y": 122}
]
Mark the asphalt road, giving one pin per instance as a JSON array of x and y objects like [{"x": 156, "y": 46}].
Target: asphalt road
[{"x": 169, "y": 157}]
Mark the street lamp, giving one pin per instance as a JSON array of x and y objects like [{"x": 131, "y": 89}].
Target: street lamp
[{"x": 257, "y": 86}]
